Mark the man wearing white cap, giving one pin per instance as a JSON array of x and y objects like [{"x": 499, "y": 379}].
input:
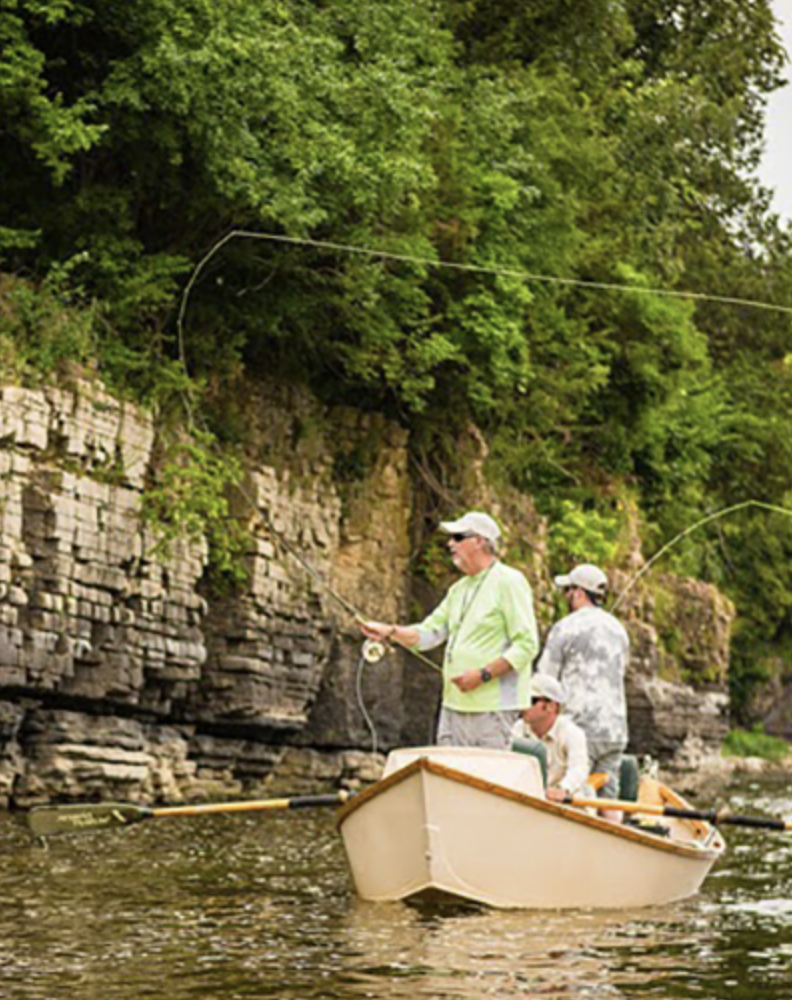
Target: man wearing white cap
[
  {"x": 487, "y": 622},
  {"x": 589, "y": 651},
  {"x": 565, "y": 743}
]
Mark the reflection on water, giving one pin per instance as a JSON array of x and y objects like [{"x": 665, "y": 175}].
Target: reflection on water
[
  {"x": 503, "y": 954},
  {"x": 261, "y": 906}
]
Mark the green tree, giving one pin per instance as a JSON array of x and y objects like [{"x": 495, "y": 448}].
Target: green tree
[{"x": 588, "y": 144}]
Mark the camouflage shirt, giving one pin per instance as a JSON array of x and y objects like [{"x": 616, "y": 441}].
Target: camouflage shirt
[{"x": 588, "y": 650}]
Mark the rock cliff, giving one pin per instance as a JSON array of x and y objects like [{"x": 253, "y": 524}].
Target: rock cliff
[{"x": 123, "y": 675}]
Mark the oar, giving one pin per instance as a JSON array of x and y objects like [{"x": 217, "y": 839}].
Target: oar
[
  {"x": 44, "y": 821},
  {"x": 713, "y": 816}
]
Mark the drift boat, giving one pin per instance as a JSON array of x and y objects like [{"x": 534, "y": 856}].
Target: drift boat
[{"x": 473, "y": 824}]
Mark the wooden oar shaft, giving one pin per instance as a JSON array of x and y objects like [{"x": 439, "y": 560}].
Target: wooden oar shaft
[
  {"x": 253, "y": 805},
  {"x": 45, "y": 821},
  {"x": 674, "y": 812}
]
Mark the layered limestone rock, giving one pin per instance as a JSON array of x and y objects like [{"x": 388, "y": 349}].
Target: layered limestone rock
[
  {"x": 123, "y": 675},
  {"x": 88, "y": 616},
  {"x": 120, "y": 672}
]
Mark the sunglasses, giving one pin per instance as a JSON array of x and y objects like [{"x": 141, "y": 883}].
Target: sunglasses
[
  {"x": 536, "y": 701},
  {"x": 461, "y": 536}
]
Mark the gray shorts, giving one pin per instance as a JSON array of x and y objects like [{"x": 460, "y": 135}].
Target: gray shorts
[
  {"x": 607, "y": 758},
  {"x": 475, "y": 729}
]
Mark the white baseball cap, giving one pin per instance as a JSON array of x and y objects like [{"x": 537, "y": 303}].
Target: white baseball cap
[
  {"x": 587, "y": 577},
  {"x": 473, "y": 523},
  {"x": 545, "y": 686}
]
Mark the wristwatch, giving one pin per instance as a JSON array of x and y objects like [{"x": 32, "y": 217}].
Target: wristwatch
[{"x": 485, "y": 675}]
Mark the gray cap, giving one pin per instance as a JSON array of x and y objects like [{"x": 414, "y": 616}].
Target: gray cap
[
  {"x": 587, "y": 577},
  {"x": 545, "y": 686},
  {"x": 473, "y": 523}
]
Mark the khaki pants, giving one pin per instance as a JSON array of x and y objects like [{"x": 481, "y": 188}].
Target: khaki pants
[{"x": 475, "y": 729}]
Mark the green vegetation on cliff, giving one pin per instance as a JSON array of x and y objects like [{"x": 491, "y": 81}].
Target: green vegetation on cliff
[
  {"x": 601, "y": 143},
  {"x": 755, "y": 743}
]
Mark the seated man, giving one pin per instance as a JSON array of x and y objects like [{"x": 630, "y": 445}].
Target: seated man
[{"x": 565, "y": 742}]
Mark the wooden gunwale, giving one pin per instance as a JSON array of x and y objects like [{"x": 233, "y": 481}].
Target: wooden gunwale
[
  {"x": 377, "y": 788},
  {"x": 651, "y": 840}
]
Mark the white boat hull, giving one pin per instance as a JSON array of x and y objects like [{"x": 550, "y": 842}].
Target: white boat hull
[{"x": 430, "y": 828}]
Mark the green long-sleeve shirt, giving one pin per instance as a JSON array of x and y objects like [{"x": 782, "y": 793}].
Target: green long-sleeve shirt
[{"x": 481, "y": 618}]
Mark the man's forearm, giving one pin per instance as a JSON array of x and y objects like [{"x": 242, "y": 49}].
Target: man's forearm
[
  {"x": 405, "y": 635},
  {"x": 471, "y": 679},
  {"x": 499, "y": 667}
]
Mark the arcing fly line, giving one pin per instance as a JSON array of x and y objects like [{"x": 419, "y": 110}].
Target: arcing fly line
[
  {"x": 362, "y": 704},
  {"x": 683, "y": 534},
  {"x": 451, "y": 265}
]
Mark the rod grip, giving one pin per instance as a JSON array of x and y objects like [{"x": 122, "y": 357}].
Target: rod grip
[{"x": 307, "y": 801}]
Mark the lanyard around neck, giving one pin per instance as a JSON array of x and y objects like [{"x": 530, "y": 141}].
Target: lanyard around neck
[{"x": 467, "y": 605}]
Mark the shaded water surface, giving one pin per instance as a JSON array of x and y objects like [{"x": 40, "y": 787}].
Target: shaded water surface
[{"x": 261, "y": 906}]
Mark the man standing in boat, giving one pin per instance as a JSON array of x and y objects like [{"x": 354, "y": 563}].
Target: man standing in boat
[
  {"x": 487, "y": 622},
  {"x": 589, "y": 651}
]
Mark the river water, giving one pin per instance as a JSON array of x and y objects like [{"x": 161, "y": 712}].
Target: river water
[{"x": 226, "y": 907}]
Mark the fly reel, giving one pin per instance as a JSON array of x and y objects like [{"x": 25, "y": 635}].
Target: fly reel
[{"x": 374, "y": 650}]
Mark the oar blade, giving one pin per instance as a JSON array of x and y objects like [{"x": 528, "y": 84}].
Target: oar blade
[{"x": 48, "y": 821}]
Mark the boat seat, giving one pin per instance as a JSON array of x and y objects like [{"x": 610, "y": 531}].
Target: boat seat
[
  {"x": 629, "y": 778},
  {"x": 628, "y": 774},
  {"x": 535, "y": 748}
]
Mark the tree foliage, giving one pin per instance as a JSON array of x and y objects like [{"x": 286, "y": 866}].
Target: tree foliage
[{"x": 601, "y": 143}]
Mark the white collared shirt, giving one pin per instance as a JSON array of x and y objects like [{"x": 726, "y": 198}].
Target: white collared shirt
[{"x": 567, "y": 753}]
